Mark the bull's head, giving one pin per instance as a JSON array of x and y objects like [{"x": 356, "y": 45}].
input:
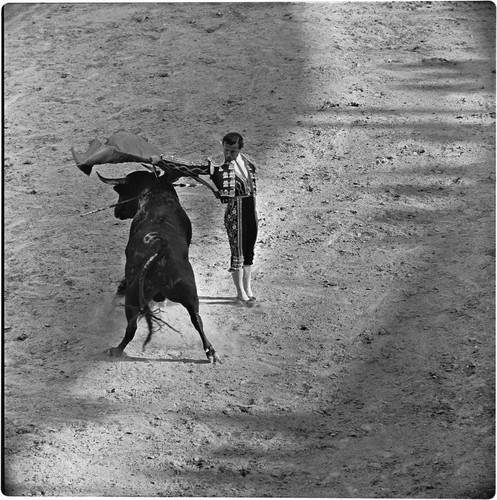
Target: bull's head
[{"x": 129, "y": 189}]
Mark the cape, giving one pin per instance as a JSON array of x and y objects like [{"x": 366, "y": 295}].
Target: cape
[{"x": 123, "y": 147}]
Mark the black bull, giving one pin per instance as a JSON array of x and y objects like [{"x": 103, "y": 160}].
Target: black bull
[{"x": 157, "y": 265}]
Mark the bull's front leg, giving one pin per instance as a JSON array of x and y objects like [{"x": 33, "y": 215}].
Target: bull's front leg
[
  {"x": 210, "y": 352},
  {"x": 132, "y": 314}
]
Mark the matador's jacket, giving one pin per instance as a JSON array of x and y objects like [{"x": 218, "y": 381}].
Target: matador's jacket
[{"x": 229, "y": 183}]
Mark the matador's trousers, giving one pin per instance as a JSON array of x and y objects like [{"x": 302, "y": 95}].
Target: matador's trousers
[{"x": 240, "y": 221}]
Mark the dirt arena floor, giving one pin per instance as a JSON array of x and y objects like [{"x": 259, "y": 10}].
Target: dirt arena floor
[{"x": 367, "y": 368}]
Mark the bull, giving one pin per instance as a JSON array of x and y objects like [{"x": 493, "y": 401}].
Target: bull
[{"x": 157, "y": 265}]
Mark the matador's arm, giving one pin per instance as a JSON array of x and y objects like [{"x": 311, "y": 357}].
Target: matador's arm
[{"x": 186, "y": 169}]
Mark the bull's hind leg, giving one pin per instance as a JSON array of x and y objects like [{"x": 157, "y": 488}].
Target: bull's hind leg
[
  {"x": 210, "y": 352},
  {"x": 132, "y": 314}
]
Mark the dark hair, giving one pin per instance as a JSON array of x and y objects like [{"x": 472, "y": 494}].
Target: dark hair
[{"x": 233, "y": 138}]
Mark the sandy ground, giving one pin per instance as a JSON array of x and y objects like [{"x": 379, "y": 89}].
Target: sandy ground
[{"x": 367, "y": 367}]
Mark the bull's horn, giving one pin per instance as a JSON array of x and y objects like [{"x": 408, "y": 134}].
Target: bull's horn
[{"x": 113, "y": 182}]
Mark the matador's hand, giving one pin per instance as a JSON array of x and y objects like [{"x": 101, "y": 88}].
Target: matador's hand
[{"x": 154, "y": 160}]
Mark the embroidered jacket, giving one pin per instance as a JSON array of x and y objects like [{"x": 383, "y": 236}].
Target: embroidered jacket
[{"x": 230, "y": 184}]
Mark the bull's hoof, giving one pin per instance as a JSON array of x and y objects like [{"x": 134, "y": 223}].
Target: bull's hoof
[
  {"x": 115, "y": 352},
  {"x": 213, "y": 357}
]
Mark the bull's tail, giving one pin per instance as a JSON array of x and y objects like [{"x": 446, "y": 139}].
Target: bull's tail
[{"x": 151, "y": 317}]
